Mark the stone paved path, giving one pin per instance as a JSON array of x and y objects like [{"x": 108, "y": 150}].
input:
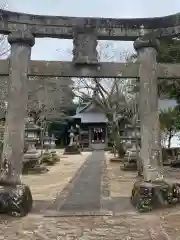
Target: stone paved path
[{"x": 86, "y": 190}]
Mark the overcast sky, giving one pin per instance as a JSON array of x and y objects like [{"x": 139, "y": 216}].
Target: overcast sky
[{"x": 46, "y": 49}]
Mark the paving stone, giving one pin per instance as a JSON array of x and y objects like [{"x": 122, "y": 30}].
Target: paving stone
[{"x": 86, "y": 190}]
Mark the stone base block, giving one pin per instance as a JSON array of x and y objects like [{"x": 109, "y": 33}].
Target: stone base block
[
  {"x": 15, "y": 200},
  {"x": 175, "y": 163},
  {"x": 55, "y": 157},
  {"x": 84, "y": 60},
  {"x": 129, "y": 167},
  {"x": 31, "y": 159},
  {"x": 150, "y": 195},
  {"x": 72, "y": 150},
  {"x": 31, "y": 155},
  {"x": 37, "y": 169},
  {"x": 30, "y": 163},
  {"x": 46, "y": 158},
  {"x": 116, "y": 159}
]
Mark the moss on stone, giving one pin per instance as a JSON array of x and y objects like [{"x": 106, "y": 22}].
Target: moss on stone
[{"x": 150, "y": 195}]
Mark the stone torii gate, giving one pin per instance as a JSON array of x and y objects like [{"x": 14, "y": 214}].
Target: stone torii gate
[{"x": 22, "y": 29}]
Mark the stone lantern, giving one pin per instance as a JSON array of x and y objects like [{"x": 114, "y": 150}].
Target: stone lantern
[
  {"x": 31, "y": 138},
  {"x": 132, "y": 139},
  {"x": 52, "y": 141},
  {"x": 73, "y": 147},
  {"x": 47, "y": 141},
  {"x": 49, "y": 157}
]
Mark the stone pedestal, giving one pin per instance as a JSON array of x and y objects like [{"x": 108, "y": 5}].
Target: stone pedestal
[
  {"x": 131, "y": 155},
  {"x": 32, "y": 160},
  {"x": 129, "y": 166},
  {"x": 32, "y": 154},
  {"x": 130, "y": 159},
  {"x": 47, "y": 158},
  {"x": 72, "y": 150},
  {"x": 147, "y": 196},
  {"x": 117, "y": 159},
  {"x": 15, "y": 200}
]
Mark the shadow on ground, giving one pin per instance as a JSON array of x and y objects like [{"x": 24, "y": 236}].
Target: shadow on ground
[{"x": 40, "y": 206}]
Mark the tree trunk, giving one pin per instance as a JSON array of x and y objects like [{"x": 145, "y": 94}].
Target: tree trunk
[
  {"x": 117, "y": 140},
  {"x": 114, "y": 148},
  {"x": 169, "y": 138},
  {"x": 41, "y": 135}
]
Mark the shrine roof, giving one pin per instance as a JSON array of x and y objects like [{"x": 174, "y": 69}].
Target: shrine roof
[
  {"x": 91, "y": 117},
  {"x": 90, "y": 113}
]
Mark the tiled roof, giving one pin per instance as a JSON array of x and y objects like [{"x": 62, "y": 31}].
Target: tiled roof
[{"x": 91, "y": 117}]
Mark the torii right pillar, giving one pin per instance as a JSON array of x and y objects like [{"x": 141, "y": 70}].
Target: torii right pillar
[
  {"x": 147, "y": 47},
  {"x": 152, "y": 190}
]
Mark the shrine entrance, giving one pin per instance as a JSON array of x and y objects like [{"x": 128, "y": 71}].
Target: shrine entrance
[{"x": 98, "y": 137}]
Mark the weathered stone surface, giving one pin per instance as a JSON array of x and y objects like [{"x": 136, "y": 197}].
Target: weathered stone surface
[
  {"x": 72, "y": 150},
  {"x": 4, "y": 68},
  {"x": 3, "y": 87},
  {"x": 17, "y": 101},
  {"x": 31, "y": 168},
  {"x": 128, "y": 70},
  {"x": 85, "y": 43},
  {"x": 21, "y": 37},
  {"x": 158, "y": 22},
  {"x": 107, "y": 28},
  {"x": 145, "y": 41},
  {"x": 130, "y": 166},
  {"x": 168, "y": 71},
  {"x": 146, "y": 46},
  {"x": 15, "y": 200},
  {"x": 150, "y": 195},
  {"x": 67, "y": 69}
]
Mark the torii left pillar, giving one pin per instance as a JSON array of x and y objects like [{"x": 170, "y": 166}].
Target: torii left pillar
[{"x": 15, "y": 197}]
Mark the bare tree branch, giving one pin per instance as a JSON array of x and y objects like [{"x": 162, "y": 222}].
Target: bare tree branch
[{"x": 4, "y": 46}]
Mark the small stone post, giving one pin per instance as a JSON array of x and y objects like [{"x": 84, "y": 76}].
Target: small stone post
[
  {"x": 147, "y": 46},
  {"x": 11, "y": 165}
]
